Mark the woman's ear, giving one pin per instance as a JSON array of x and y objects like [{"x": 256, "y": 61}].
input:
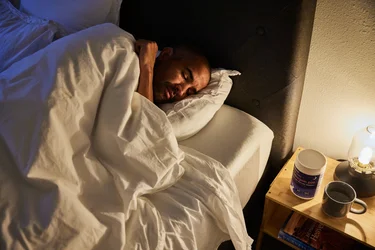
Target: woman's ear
[{"x": 165, "y": 53}]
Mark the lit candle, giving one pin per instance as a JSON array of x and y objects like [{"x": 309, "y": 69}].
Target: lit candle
[{"x": 365, "y": 155}]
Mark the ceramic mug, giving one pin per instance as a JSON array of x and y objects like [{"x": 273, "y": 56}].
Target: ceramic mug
[{"x": 338, "y": 199}]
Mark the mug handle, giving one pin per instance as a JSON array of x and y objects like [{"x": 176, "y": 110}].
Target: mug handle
[{"x": 359, "y": 211}]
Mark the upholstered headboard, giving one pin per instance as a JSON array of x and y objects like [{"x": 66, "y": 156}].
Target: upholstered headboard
[{"x": 266, "y": 40}]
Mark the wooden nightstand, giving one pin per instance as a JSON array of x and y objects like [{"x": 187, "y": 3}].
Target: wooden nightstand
[{"x": 280, "y": 201}]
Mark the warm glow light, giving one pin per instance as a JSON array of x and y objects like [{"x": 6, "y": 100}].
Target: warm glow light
[{"x": 365, "y": 155}]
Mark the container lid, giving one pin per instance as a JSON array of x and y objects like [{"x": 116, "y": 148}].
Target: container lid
[{"x": 311, "y": 159}]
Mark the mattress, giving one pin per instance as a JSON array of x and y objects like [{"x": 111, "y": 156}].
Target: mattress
[{"x": 240, "y": 142}]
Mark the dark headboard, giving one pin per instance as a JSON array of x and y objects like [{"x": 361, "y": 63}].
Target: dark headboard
[{"x": 267, "y": 40}]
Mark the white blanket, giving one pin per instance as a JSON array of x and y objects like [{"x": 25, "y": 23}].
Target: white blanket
[{"x": 88, "y": 163}]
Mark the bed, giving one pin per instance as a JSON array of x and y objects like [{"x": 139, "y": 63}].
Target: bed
[
  {"x": 242, "y": 146},
  {"x": 267, "y": 41},
  {"x": 58, "y": 178}
]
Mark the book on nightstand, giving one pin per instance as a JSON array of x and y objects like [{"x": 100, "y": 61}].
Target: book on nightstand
[{"x": 308, "y": 234}]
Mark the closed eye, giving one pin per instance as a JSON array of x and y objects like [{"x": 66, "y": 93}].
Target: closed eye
[{"x": 185, "y": 75}]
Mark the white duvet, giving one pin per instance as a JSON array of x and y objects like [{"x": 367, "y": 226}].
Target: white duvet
[{"x": 88, "y": 163}]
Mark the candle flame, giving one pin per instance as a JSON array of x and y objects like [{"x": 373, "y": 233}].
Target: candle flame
[{"x": 365, "y": 155}]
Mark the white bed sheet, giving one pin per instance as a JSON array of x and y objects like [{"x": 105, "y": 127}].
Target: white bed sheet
[
  {"x": 240, "y": 142},
  {"x": 87, "y": 163}
]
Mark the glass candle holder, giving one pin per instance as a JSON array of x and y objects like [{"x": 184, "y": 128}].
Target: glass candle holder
[
  {"x": 359, "y": 170},
  {"x": 361, "y": 155}
]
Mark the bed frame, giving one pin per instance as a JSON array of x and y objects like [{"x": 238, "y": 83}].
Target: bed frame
[{"x": 268, "y": 41}]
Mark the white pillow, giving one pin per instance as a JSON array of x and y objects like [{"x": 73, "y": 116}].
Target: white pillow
[
  {"x": 21, "y": 35},
  {"x": 191, "y": 114},
  {"x": 74, "y": 15}
]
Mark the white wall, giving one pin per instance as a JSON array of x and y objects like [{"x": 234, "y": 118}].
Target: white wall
[{"x": 339, "y": 92}]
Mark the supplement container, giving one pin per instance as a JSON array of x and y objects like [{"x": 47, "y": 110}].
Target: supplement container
[{"x": 308, "y": 172}]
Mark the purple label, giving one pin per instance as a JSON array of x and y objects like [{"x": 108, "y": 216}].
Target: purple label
[{"x": 304, "y": 185}]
